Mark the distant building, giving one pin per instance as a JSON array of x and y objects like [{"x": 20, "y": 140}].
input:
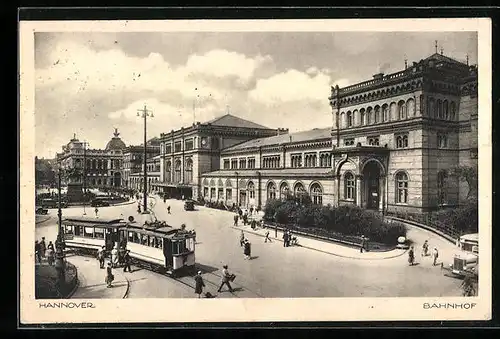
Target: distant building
[
  {"x": 133, "y": 160},
  {"x": 392, "y": 142},
  {"x": 101, "y": 168},
  {"x": 189, "y": 152}
]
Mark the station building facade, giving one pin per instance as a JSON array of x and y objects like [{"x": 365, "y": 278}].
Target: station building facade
[
  {"x": 187, "y": 153},
  {"x": 393, "y": 140}
]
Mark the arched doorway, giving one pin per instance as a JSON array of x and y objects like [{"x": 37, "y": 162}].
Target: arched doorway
[
  {"x": 117, "y": 178},
  {"x": 372, "y": 186}
]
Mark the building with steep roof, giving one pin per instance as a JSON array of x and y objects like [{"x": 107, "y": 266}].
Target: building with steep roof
[
  {"x": 394, "y": 139},
  {"x": 189, "y": 152}
]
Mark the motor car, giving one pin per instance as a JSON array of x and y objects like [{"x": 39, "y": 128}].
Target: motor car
[
  {"x": 41, "y": 210},
  {"x": 189, "y": 205},
  {"x": 53, "y": 203},
  {"x": 99, "y": 202}
]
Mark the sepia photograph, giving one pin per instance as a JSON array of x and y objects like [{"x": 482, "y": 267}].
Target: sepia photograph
[{"x": 275, "y": 167}]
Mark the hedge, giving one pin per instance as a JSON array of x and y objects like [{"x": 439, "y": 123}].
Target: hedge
[{"x": 347, "y": 220}]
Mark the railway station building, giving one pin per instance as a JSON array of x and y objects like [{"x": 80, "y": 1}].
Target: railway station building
[{"x": 392, "y": 141}]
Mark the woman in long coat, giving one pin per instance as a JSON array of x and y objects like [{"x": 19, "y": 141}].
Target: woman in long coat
[
  {"x": 247, "y": 249},
  {"x": 199, "y": 284},
  {"x": 114, "y": 256},
  {"x": 109, "y": 275}
]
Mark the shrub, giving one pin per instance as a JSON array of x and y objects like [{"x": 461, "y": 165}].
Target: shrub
[{"x": 464, "y": 219}]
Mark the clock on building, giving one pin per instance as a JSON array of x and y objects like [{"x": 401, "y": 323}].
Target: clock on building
[{"x": 204, "y": 142}]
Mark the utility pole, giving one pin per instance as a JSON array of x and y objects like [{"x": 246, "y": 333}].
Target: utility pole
[
  {"x": 60, "y": 264},
  {"x": 145, "y": 113}
]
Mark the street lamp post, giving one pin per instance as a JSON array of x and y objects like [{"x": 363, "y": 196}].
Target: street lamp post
[
  {"x": 144, "y": 113},
  {"x": 60, "y": 264}
]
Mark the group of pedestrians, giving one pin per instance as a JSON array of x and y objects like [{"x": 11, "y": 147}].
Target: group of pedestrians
[
  {"x": 288, "y": 238},
  {"x": 44, "y": 251},
  {"x": 119, "y": 258},
  {"x": 425, "y": 253}
]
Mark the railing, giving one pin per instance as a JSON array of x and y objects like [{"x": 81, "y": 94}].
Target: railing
[
  {"x": 429, "y": 220},
  {"x": 397, "y": 75}
]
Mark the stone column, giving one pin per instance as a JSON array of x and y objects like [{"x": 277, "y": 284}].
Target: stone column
[
  {"x": 381, "y": 198},
  {"x": 359, "y": 181},
  {"x": 336, "y": 190}
]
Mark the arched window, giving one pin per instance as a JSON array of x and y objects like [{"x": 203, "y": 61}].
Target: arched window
[
  {"x": 87, "y": 164},
  {"x": 271, "y": 191},
  {"x": 376, "y": 117},
  {"x": 401, "y": 110},
  {"x": 431, "y": 107},
  {"x": 362, "y": 117},
  {"x": 442, "y": 186},
  {"x": 349, "y": 119},
  {"x": 385, "y": 112},
  {"x": 316, "y": 194},
  {"x": 446, "y": 114},
  {"x": 188, "y": 171},
  {"x": 168, "y": 171},
  {"x": 251, "y": 190},
  {"x": 299, "y": 190},
  {"x": 452, "y": 111},
  {"x": 284, "y": 190},
  {"x": 410, "y": 108},
  {"x": 177, "y": 171},
  {"x": 99, "y": 164},
  {"x": 369, "y": 116},
  {"x": 440, "y": 109},
  {"x": 401, "y": 188},
  {"x": 350, "y": 186},
  {"x": 402, "y": 141},
  {"x": 94, "y": 164}
]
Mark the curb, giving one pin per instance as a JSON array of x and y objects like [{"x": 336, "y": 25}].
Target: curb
[
  {"x": 425, "y": 227},
  {"x": 322, "y": 251},
  {"x": 42, "y": 221},
  {"x": 77, "y": 285}
]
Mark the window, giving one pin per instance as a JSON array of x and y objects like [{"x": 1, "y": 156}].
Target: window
[
  {"x": 296, "y": 160},
  {"x": 177, "y": 171},
  {"x": 299, "y": 190},
  {"x": 234, "y": 163},
  {"x": 189, "y": 144},
  {"x": 226, "y": 163},
  {"x": 401, "y": 188},
  {"x": 385, "y": 113},
  {"x": 188, "y": 171},
  {"x": 349, "y": 119},
  {"x": 316, "y": 194},
  {"x": 251, "y": 190},
  {"x": 440, "y": 109},
  {"x": 446, "y": 114},
  {"x": 243, "y": 163},
  {"x": 402, "y": 141},
  {"x": 373, "y": 141},
  {"x": 442, "y": 140},
  {"x": 350, "y": 186},
  {"x": 452, "y": 111},
  {"x": 284, "y": 190},
  {"x": 168, "y": 171},
  {"x": 229, "y": 194},
  {"x": 177, "y": 146},
  {"x": 442, "y": 186},
  {"x": 349, "y": 142},
  {"x": 251, "y": 162},
  {"x": 205, "y": 192},
  {"x": 271, "y": 191},
  {"x": 362, "y": 117},
  {"x": 212, "y": 193},
  {"x": 369, "y": 116},
  {"x": 88, "y": 232},
  {"x": 401, "y": 110},
  {"x": 220, "y": 193},
  {"x": 376, "y": 117},
  {"x": 325, "y": 160},
  {"x": 271, "y": 161},
  {"x": 168, "y": 148},
  {"x": 310, "y": 160}
]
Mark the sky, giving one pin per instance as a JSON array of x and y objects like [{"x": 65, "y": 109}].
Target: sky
[{"x": 88, "y": 84}]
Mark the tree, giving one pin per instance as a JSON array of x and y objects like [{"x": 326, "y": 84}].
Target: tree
[{"x": 469, "y": 175}]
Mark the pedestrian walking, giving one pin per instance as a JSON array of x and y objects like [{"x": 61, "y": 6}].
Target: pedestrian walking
[
  {"x": 126, "y": 262},
  {"x": 425, "y": 248},
  {"x": 435, "y": 255},
  {"x": 285, "y": 239},
  {"x": 199, "y": 284},
  {"x": 96, "y": 212},
  {"x": 242, "y": 238},
  {"x": 247, "y": 249},
  {"x": 267, "y": 237},
  {"x": 138, "y": 208},
  {"x": 38, "y": 257},
  {"x": 100, "y": 256},
  {"x": 288, "y": 238},
  {"x": 168, "y": 209},
  {"x": 50, "y": 256},
  {"x": 43, "y": 247},
  {"x": 114, "y": 257},
  {"x": 109, "y": 276},
  {"x": 50, "y": 246},
  {"x": 251, "y": 210},
  {"x": 245, "y": 219},
  {"x": 164, "y": 199},
  {"x": 411, "y": 256},
  {"x": 236, "y": 217},
  {"x": 362, "y": 248},
  {"x": 226, "y": 278}
]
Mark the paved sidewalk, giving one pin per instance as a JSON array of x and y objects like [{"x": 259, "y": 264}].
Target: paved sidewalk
[
  {"x": 325, "y": 247},
  {"x": 91, "y": 280}
]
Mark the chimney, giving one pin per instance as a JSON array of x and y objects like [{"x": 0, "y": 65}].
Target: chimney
[{"x": 378, "y": 76}]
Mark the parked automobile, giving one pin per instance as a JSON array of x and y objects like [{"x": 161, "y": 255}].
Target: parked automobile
[
  {"x": 189, "y": 205},
  {"x": 52, "y": 203},
  {"x": 99, "y": 202},
  {"x": 41, "y": 210}
]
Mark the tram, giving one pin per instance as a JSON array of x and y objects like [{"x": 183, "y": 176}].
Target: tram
[{"x": 160, "y": 246}]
